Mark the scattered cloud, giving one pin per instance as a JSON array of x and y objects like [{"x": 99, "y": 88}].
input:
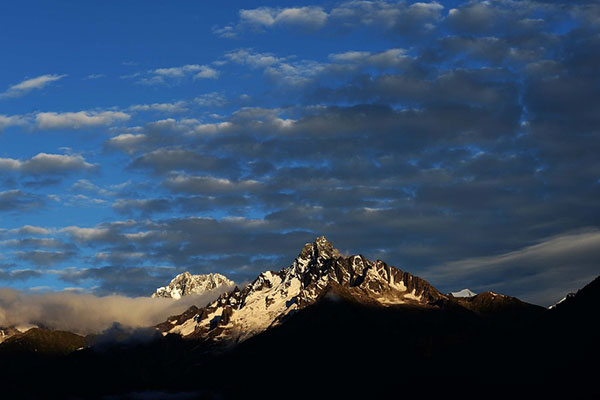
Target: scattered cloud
[
  {"x": 176, "y": 107},
  {"x": 28, "y": 85},
  {"x": 163, "y": 76},
  {"x": 79, "y": 120},
  {"x": 398, "y": 17},
  {"x": 46, "y": 164}
]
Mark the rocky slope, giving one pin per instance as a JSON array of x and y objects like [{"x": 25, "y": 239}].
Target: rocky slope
[{"x": 186, "y": 284}]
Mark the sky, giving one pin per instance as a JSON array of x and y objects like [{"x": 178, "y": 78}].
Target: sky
[{"x": 455, "y": 140}]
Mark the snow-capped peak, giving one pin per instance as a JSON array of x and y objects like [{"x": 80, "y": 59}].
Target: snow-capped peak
[
  {"x": 464, "y": 293},
  {"x": 318, "y": 269},
  {"x": 185, "y": 284}
]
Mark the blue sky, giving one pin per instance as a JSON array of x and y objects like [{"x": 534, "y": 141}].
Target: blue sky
[{"x": 455, "y": 140}]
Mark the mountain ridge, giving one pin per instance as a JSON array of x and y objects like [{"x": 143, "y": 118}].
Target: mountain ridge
[{"x": 318, "y": 270}]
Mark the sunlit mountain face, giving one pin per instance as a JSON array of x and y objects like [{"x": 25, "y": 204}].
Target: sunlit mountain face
[{"x": 162, "y": 165}]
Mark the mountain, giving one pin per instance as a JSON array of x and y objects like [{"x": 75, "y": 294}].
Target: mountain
[
  {"x": 42, "y": 341},
  {"x": 185, "y": 284},
  {"x": 328, "y": 326},
  {"x": 10, "y": 331},
  {"x": 463, "y": 293},
  {"x": 319, "y": 271},
  {"x": 584, "y": 300}
]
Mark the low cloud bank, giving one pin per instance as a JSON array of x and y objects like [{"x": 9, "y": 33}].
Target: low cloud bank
[{"x": 86, "y": 313}]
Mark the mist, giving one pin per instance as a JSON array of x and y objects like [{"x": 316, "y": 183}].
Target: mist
[{"x": 87, "y": 313}]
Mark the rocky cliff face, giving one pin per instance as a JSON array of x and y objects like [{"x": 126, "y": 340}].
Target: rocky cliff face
[
  {"x": 319, "y": 270},
  {"x": 185, "y": 284}
]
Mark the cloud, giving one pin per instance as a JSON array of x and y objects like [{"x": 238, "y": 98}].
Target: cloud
[
  {"x": 213, "y": 99},
  {"x": 78, "y": 120},
  {"x": 127, "y": 142},
  {"x": 252, "y": 58},
  {"x": 46, "y": 164},
  {"x": 18, "y": 275},
  {"x": 87, "y": 234},
  {"x": 180, "y": 72},
  {"x": 209, "y": 185},
  {"x": 12, "y": 120},
  {"x": 542, "y": 273},
  {"x": 381, "y": 15},
  {"x": 389, "y": 16},
  {"x": 165, "y": 160},
  {"x": 17, "y": 200},
  {"x": 31, "y": 230},
  {"x": 44, "y": 258},
  {"x": 163, "y": 76},
  {"x": 305, "y": 17},
  {"x": 176, "y": 107},
  {"x": 22, "y": 88},
  {"x": 143, "y": 206},
  {"x": 85, "y": 313}
]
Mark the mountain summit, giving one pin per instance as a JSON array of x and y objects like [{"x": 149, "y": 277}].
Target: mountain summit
[
  {"x": 319, "y": 270},
  {"x": 185, "y": 284}
]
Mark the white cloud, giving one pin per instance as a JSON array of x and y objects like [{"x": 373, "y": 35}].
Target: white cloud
[
  {"x": 176, "y": 107},
  {"x": 165, "y": 75},
  {"x": 309, "y": 17},
  {"x": 208, "y": 184},
  {"x": 206, "y": 129},
  {"x": 302, "y": 17},
  {"x": 12, "y": 120},
  {"x": 385, "y": 59},
  {"x": 86, "y": 234},
  {"x": 44, "y": 163},
  {"x": 386, "y": 15},
  {"x": 88, "y": 186},
  {"x": 28, "y": 85},
  {"x": 277, "y": 69},
  {"x": 31, "y": 230},
  {"x": 127, "y": 142},
  {"x": 207, "y": 73},
  {"x": 78, "y": 120},
  {"x": 212, "y": 99},
  {"x": 253, "y": 59}
]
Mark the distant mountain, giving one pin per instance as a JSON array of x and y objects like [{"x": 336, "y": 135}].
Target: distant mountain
[
  {"x": 185, "y": 284},
  {"x": 463, "y": 293},
  {"x": 319, "y": 271}
]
